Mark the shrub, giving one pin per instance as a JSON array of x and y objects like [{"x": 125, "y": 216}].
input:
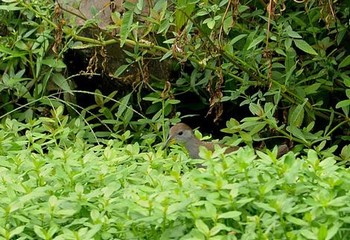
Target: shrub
[{"x": 56, "y": 184}]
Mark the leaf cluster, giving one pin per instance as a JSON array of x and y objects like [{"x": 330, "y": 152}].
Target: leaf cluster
[
  {"x": 58, "y": 184},
  {"x": 292, "y": 56}
]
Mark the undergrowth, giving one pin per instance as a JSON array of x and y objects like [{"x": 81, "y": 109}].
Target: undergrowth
[
  {"x": 57, "y": 183},
  {"x": 69, "y": 172}
]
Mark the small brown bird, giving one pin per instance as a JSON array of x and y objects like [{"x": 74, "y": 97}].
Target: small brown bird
[{"x": 183, "y": 134}]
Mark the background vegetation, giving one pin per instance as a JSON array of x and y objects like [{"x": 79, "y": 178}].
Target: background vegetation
[{"x": 71, "y": 171}]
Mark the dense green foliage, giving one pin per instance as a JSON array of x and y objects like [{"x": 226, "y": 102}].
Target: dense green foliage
[
  {"x": 287, "y": 62},
  {"x": 69, "y": 172},
  {"x": 56, "y": 184}
]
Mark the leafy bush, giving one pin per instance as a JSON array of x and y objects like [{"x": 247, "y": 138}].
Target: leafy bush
[
  {"x": 31, "y": 57},
  {"x": 56, "y": 184},
  {"x": 289, "y": 64}
]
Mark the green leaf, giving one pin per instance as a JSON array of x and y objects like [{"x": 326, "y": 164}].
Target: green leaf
[
  {"x": 227, "y": 24},
  {"x": 296, "y": 132},
  {"x": 184, "y": 8},
  {"x": 256, "y": 109},
  {"x": 347, "y": 92},
  {"x": 343, "y": 103},
  {"x": 123, "y": 105},
  {"x": 164, "y": 26},
  {"x": 202, "y": 227},
  {"x": 211, "y": 23},
  {"x": 312, "y": 89},
  {"x": 210, "y": 210},
  {"x": 304, "y": 46},
  {"x": 237, "y": 38},
  {"x": 166, "y": 55},
  {"x": 120, "y": 70},
  {"x": 296, "y": 115},
  {"x": 345, "y": 62},
  {"x": 255, "y": 42},
  {"x": 98, "y": 98},
  {"x": 257, "y": 128},
  {"x": 346, "y": 79},
  {"x": 296, "y": 221},
  {"x": 246, "y": 137},
  {"x": 345, "y": 153},
  {"x": 216, "y": 229},
  {"x": 39, "y": 232},
  {"x": 95, "y": 215},
  {"x": 125, "y": 29},
  {"x": 293, "y": 34},
  {"x": 230, "y": 215},
  {"x": 265, "y": 207},
  {"x": 61, "y": 82},
  {"x": 308, "y": 234},
  {"x": 322, "y": 232},
  {"x": 54, "y": 63},
  {"x": 16, "y": 231},
  {"x": 333, "y": 230},
  {"x": 10, "y": 7}
]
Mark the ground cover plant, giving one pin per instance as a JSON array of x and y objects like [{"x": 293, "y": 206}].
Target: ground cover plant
[
  {"x": 69, "y": 171},
  {"x": 56, "y": 184}
]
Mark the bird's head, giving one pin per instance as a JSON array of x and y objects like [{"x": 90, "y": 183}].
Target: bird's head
[{"x": 181, "y": 133}]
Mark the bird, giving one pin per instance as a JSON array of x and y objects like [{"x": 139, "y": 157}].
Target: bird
[{"x": 183, "y": 134}]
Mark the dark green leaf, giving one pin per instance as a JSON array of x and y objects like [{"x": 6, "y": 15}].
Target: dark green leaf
[
  {"x": 296, "y": 115},
  {"x": 120, "y": 70},
  {"x": 255, "y": 42},
  {"x": 345, "y": 62},
  {"x": 61, "y": 82},
  {"x": 304, "y": 46}
]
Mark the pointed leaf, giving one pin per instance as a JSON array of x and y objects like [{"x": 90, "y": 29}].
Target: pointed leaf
[
  {"x": 183, "y": 10},
  {"x": 126, "y": 26},
  {"x": 231, "y": 215},
  {"x": 255, "y": 42},
  {"x": 304, "y": 46},
  {"x": 343, "y": 103},
  {"x": 345, "y": 62},
  {"x": 296, "y": 115},
  {"x": 202, "y": 227},
  {"x": 61, "y": 82},
  {"x": 120, "y": 70}
]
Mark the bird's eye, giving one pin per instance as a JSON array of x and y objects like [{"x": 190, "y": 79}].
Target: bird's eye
[{"x": 180, "y": 133}]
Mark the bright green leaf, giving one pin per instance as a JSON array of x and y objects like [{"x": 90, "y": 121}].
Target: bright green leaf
[
  {"x": 344, "y": 103},
  {"x": 202, "y": 227},
  {"x": 230, "y": 215}
]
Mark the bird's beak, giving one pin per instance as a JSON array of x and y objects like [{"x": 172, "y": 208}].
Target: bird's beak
[{"x": 170, "y": 139}]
